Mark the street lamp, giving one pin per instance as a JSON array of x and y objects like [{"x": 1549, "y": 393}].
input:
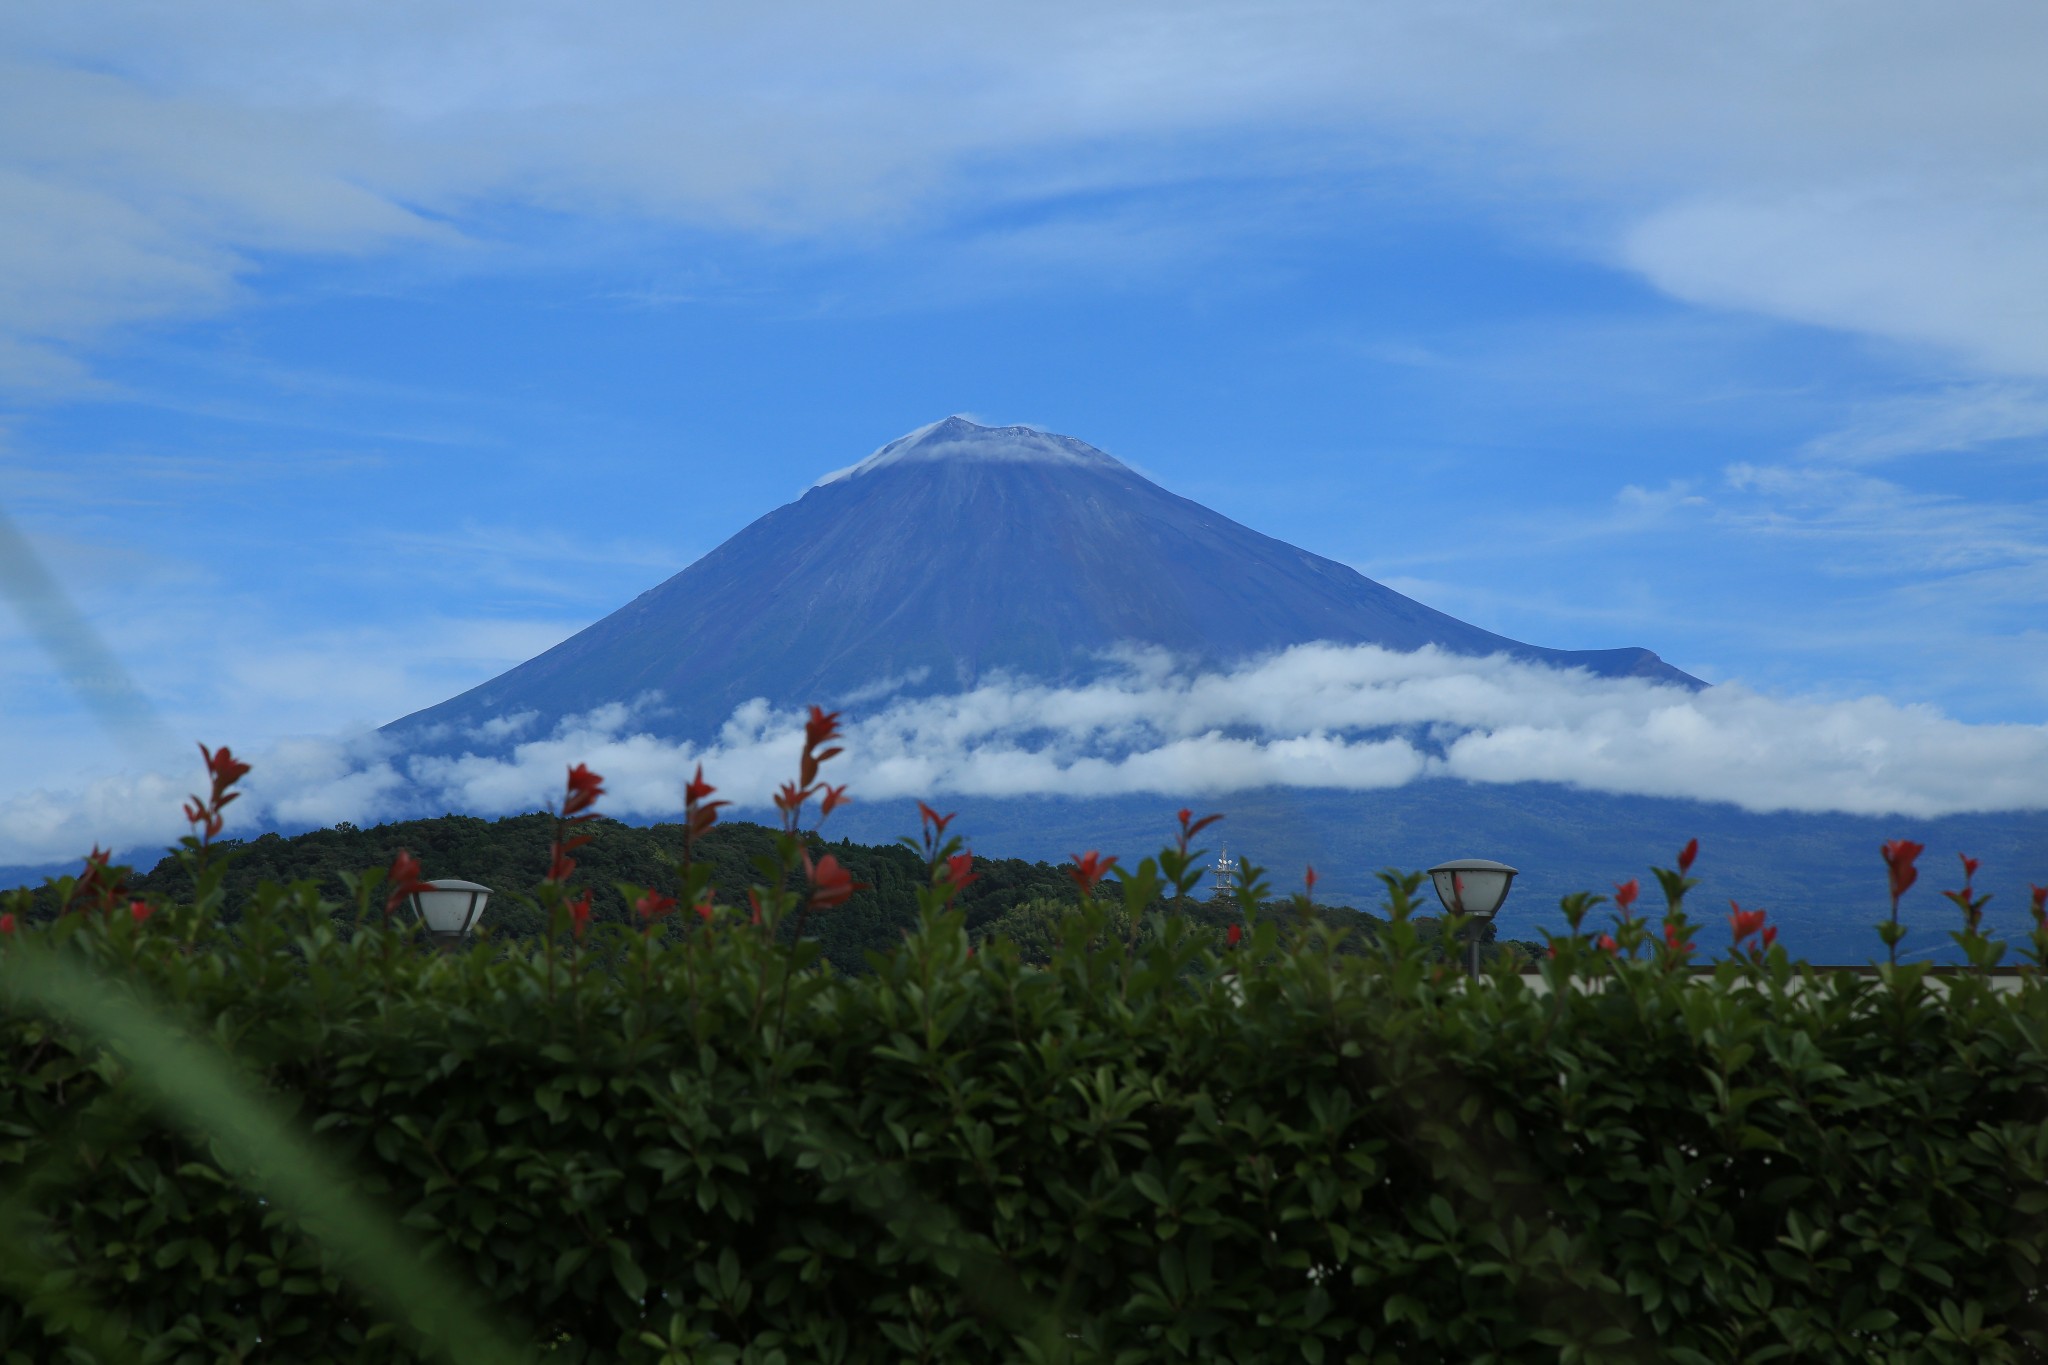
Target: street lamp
[
  {"x": 1474, "y": 887},
  {"x": 450, "y": 909}
]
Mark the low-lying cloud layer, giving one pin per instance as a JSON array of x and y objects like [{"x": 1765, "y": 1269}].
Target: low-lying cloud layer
[{"x": 1317, "y": 716}]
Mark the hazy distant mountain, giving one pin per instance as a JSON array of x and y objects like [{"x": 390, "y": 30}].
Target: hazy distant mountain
[
  {"x": 1819, "y": 874},
  {"x": 952, "y": 553}
]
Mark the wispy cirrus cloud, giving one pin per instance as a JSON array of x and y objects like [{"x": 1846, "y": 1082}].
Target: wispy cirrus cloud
[
  {"x": 1885, "y": 180},
  {"x": 1883, "y": 526},
  {"x": 1954, "y": 418}
]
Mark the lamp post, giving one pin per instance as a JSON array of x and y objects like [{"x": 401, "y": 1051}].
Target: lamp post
[
  {"x": 1474, "y": 887},
  {"x": 450, "y": 909}
]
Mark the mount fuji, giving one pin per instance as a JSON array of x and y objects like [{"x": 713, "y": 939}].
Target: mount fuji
[
  {"x": 965, "y": 571},
  {"x": 950, "y": 555}
]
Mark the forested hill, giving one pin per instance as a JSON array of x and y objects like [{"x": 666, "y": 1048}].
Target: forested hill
[
  {"x": 1010, "y": 896},
  {"x": 511, "y": 855}
]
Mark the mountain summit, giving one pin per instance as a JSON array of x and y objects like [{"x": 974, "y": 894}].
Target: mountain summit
[
  {"x": 952, "y": 553},
  {"x": 959, "y": 441}
]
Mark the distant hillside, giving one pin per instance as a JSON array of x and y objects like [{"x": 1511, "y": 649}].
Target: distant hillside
[
  {"x": 510, "y": 856},
  {"x": 1011, "y": 895}
]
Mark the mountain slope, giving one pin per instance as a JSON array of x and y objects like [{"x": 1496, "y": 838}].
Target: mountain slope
[{"x": 952, "y": 553}]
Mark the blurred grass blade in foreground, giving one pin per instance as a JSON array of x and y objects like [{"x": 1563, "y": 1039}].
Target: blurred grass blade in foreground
[
  {"x": 82, "y": 658},
  {"x": 198, "y": 1089}
]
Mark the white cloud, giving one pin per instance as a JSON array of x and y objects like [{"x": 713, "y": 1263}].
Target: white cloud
[
  {"x": 1959, "y": 418},
  {"x": 1929, "y": 262},
  {"x": 1877, "y": 167},
  {"x": 1884, "y": 527},
  {"x": 1317, "y": 716}
]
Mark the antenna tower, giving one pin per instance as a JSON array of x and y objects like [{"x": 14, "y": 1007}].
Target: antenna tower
[{"x": 1225, "y": 872}]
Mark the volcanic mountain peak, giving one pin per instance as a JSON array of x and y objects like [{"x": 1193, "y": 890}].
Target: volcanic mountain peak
[
  {"x": 959, "y": 441},
  {"x": 959, "y": 553}
]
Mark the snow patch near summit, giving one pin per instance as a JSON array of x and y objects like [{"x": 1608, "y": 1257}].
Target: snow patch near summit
[{"x": 959, "y": 441}]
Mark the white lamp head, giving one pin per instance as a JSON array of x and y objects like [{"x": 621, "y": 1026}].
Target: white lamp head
[
  {"x": 451, "y": 908},
  {"x": 1472, "y": 886}
]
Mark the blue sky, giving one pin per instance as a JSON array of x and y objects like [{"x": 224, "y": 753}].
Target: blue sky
[{"x": 351, "y": 356}]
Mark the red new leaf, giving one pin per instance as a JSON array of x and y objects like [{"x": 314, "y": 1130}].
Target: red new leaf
[
  {"x": 1089, "y": 869},
  {"x": 404, "y": 879},
  {"x": 1190, "y": 827},
  {"x": 1898, "y": 861},
  {"x": 821, "y": 727},
  {"x": 652, "y": 905},
  {"x": 223, "y": 767},
  {"x": 831, "y": 883},
  {"x": 584, "y": 788},
  {"x": 1745, "y": 922}
]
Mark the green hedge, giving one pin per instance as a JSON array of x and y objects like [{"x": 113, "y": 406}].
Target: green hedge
[{"x": 701, "y": 1146}]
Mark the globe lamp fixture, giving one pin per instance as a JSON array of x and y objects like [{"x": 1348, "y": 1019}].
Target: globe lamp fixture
[
  {"x": 1474, "y": 887},
  {"x": 450, "y": 909}
]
